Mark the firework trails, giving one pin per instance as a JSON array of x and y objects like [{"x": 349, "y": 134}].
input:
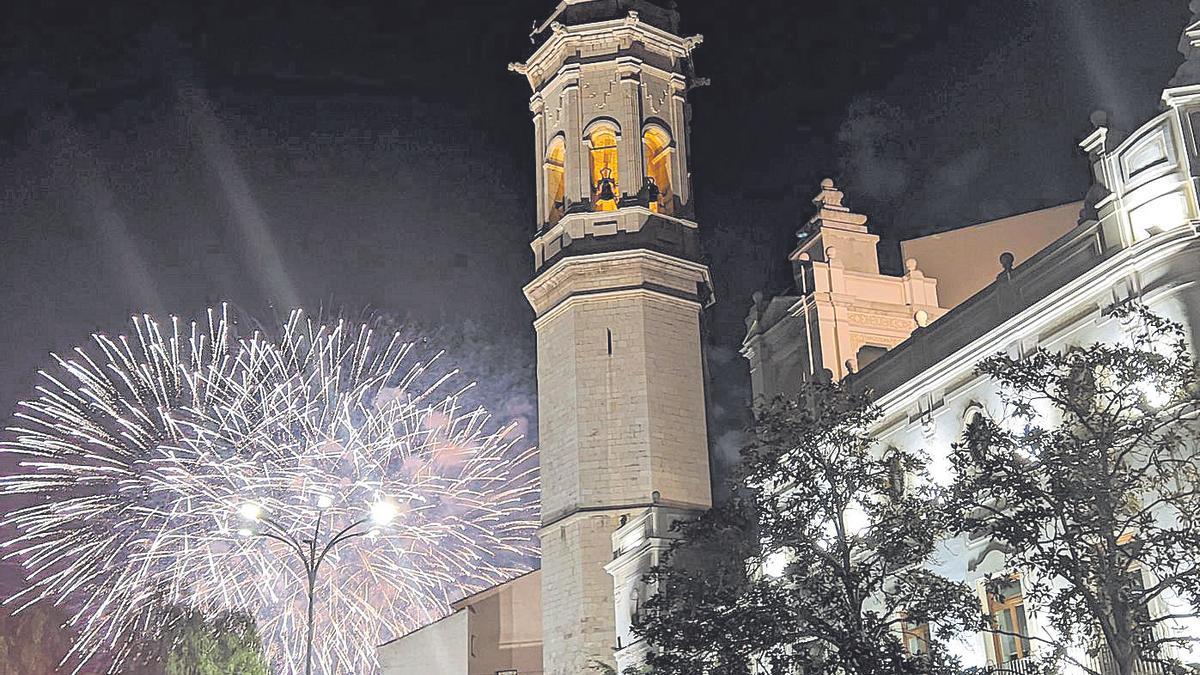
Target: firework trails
[{"x": 140, "y": 457}]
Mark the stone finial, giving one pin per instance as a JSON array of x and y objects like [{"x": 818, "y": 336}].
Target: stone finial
[
  {"x": 1006, "y": 262},
  {"x": 829, "y": 196},
  {"x": 831, "y": 212},
  {"x": 910, "y": 265},
  {"x": 1099, "y": 119},
  {"x": 1189, "y": 45}
]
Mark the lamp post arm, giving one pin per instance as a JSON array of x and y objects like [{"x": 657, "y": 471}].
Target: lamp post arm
[
  {"x": 339, "y": 538},
  {"x": 282, "y": 535},
  {"x": 289, "y": 542}
]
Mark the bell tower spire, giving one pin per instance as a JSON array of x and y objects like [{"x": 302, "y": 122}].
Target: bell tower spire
[{"x": 618, "y": 292}]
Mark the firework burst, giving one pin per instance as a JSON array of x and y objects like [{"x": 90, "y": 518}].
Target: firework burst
[{"x": 137, "y": 456}]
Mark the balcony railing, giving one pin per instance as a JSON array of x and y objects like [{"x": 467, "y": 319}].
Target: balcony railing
[
  {"x": 1105, "y": 665},
  {"x": 1102, "y": 664},
  {"x": 1027, "y": 666}
]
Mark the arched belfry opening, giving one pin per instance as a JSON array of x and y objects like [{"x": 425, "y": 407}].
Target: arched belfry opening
[
  {"x": 554, "y": 168},
  {"x": 603, "y": 162},
  {"x": 657, "y": 150}
]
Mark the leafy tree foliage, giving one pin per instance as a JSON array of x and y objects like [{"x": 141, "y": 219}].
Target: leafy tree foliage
[
  {"x": 816, "y": 561},
  {"x": 1090, "y": 484},
  {"x": 192, "y": 643},
  {"x": 33, "y": 640}
]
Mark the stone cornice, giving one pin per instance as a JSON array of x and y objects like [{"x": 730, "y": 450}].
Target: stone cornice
[
  {"x": 639, "y": 270},
  {"x": 563, "y": 37},
  {"x": 579, "y": 225},
  {"x": 1027, "y": 322}
]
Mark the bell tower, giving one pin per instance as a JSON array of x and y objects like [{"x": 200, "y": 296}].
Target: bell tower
[{"x": 618, "y": 294}]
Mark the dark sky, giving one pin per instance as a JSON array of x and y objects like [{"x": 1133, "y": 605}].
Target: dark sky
[{"x": 160, "y": 158}]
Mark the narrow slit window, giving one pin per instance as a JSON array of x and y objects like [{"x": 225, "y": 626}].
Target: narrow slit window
[{"x": 609, "y": 332}]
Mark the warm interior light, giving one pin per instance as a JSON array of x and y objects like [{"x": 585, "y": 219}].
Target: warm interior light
[
  {"x": 382, "y": 512},
  {"x": 604, "y": 168},
  {"x": 555, "y": 168},
  {"x": 250, "y": 511},
  {"x": 656, "y": 145}
]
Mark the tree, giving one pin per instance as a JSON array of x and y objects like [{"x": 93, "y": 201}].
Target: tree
[
  {"x": 192, "y": 643},
  {"x": 1089, "y": 482},
  {"x": 816, "y": 561},
  {"x": 33, "y": 640}
]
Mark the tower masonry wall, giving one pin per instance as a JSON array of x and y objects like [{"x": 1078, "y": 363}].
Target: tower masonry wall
[
  {"x": 578, "y": 621},
  {"x": 630, "y": 365}
]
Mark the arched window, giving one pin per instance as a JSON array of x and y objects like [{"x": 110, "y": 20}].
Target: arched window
[
  {"x": 602, "y": 153},
  {"x": 554, "y": 168},
  {"x": 656, "y": 145}
]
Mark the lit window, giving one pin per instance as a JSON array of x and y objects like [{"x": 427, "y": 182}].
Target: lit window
[
  {"x": 916, "y": 638},
  {"x": 555, "y": 173},
  {"x": 657, "y": 147},
  {"x": 602, "y": 142},
  {"x": 1006, "y": 607}
]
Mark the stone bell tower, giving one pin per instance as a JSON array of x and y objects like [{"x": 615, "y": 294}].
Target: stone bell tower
[{"x": 618, "y": 293}]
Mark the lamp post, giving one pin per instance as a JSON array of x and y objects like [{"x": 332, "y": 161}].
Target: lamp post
[{"x": 309, "y": 550}]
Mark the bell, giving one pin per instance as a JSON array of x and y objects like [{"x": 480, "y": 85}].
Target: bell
[
  {"x": 606, "y": 186},
  {"x": 652, "y": 192}
]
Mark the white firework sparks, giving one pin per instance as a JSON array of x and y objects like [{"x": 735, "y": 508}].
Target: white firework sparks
[{"x": 139, "y": 461}]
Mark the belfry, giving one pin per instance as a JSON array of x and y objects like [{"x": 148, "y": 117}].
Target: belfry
[{"x": 618, "y": 295}]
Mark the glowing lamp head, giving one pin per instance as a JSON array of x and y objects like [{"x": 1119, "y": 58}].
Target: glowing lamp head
[
  {"x": 382, "y": 512},
  {"x": 776, "y": 564},
  {"x": 250, "y": 511},
  {"x": 324, "y": 502},
  {"x": 1155, "y": 396}
]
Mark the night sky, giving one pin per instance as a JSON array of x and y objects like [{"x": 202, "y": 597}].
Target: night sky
[{"x": 379, "y": 156}]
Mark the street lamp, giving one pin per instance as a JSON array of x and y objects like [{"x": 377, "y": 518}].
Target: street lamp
[{"x": 309, "y": 550}]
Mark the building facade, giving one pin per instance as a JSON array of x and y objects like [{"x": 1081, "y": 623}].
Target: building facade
[
  {"x": 1137, "y": 237},
  {"x": 619, "y": 292},
  {"x": 495, "y": 631}
]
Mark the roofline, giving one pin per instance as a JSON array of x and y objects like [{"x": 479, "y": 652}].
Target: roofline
[
  {"x": 456, "y": 604},
  {"x": 414, "y": 631},
  {"x": 957, "y": 228}
]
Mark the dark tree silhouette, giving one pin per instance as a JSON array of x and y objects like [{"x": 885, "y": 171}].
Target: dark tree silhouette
[{"x": 816, "y": 562}]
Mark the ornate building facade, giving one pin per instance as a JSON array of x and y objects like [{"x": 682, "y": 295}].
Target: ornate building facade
[{"x": 619, "y": 291}]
